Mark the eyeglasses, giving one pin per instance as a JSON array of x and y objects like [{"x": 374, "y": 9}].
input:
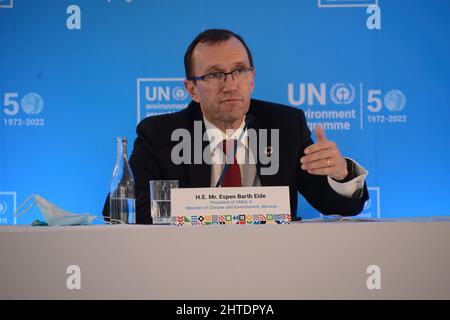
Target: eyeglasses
[{"x": 240, "y": 75}]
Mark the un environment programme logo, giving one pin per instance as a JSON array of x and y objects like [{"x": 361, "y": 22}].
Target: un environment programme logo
[
  {"x": 347, "y": 106},
  {"x": 7, "y": 207},
  {"x": 160, "y": 95},
  {"x": 6, "y": 4},
  {"x": 339, "y": 113},
  {"x": 23, "y": 114}
]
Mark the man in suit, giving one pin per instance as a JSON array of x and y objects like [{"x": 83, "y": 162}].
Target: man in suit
[{"x": 220, "y": 79}]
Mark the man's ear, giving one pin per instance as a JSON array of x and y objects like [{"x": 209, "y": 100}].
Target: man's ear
[
  {"x": 252, "y": 83},
  {"x": 191, "y": 88}
]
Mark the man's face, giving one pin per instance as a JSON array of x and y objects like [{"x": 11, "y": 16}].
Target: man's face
[{"x": 223, "y": 104}]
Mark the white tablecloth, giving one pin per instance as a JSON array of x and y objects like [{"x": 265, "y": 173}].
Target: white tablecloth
[{"x": 297, "y": 261}]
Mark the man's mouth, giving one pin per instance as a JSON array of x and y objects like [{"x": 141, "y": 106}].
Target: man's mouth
[{"x": 231, "y": 100}]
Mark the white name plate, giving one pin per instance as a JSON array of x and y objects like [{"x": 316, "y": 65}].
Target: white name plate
[{"x": 220, "y": 206}]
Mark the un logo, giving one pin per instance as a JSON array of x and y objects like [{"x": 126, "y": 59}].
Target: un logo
[
  {"x": 178, "y": 93},
  {"x": 394, "y": 100},
  {"x": 342, "y": 93},
  {"x": 32, "y": 103}
]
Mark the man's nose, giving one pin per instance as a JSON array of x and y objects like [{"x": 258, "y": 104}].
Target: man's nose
[{"x": 230, "y": 82}]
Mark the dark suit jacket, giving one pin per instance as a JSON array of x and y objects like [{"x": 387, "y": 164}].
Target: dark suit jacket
[{"x": 151, "y": 159}]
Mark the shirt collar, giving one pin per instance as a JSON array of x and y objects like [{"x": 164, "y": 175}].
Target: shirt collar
[{"x": 216, "y": 136}]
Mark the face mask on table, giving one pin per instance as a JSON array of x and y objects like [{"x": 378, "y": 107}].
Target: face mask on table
[{"x": 54, "y": 215}]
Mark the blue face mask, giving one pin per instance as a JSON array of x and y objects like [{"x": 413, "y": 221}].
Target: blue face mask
[{"x": 54, "y": 215}]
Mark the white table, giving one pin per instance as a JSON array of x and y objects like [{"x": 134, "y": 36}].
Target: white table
[{"x": 297, "y": 261}]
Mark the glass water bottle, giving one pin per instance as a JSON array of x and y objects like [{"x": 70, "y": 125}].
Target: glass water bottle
[{"x": 122, "y": 200}]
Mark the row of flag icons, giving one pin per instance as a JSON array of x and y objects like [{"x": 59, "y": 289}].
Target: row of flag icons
[{"x": 231, "y": 219}]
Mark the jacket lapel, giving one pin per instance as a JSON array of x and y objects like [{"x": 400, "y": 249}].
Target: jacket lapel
[
  {"x": 258, "y": 124},
  {"x": 198, "y": 174}
]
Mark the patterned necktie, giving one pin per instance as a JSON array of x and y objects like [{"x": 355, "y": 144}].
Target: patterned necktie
[{"x": 232, "y": 177}]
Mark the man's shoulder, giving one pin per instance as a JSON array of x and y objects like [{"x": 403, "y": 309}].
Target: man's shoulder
[
  {"x": 272, "y": 110},
  {"x": 167, "y": 121}
]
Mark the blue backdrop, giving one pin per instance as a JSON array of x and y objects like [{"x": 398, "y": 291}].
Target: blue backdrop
[{"x": 76, "y": 74}]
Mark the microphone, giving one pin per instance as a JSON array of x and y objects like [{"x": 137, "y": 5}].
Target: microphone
[{"x": 248, "y": 123}]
